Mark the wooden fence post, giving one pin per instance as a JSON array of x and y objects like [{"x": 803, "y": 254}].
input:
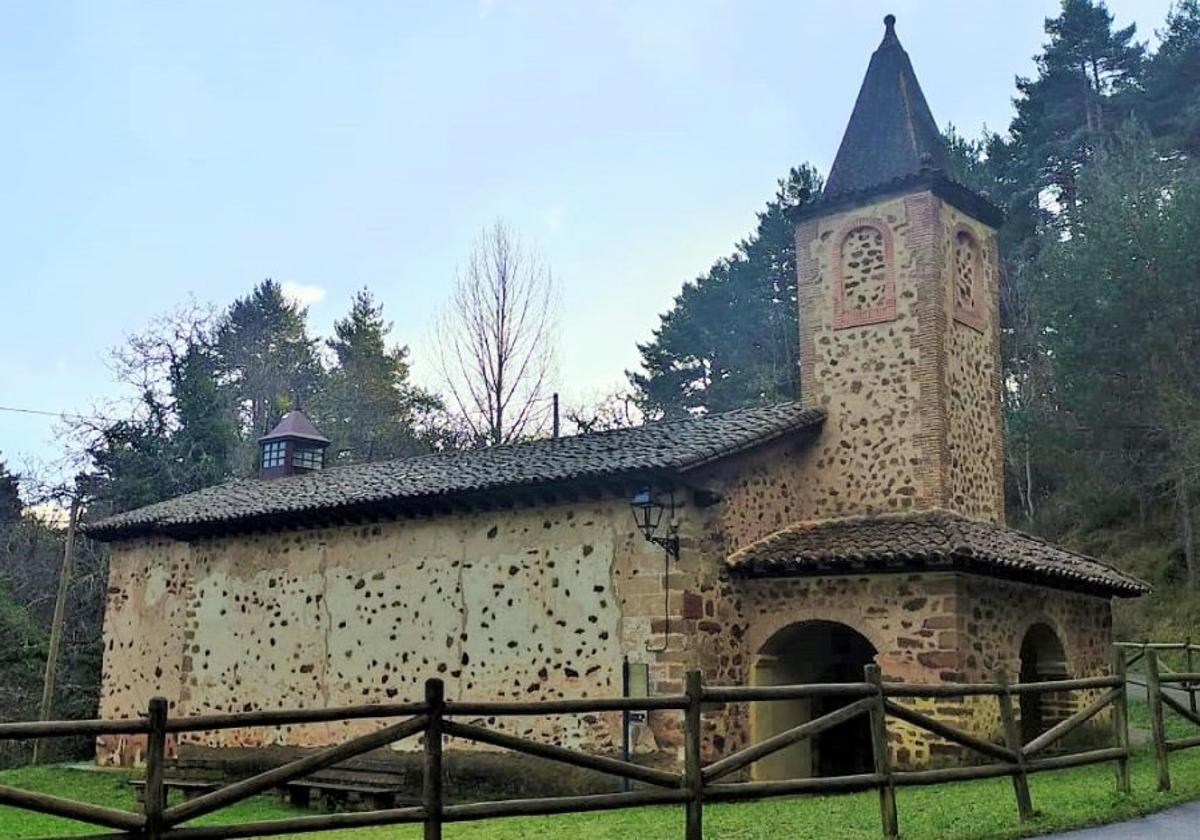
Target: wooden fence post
[
  {"x": 435, "y": 698},
  {"x": 1191, "y": 669},
  {"x": 1157, "y": 731},
  {"x": 56, "y": 628},
  {"x": 693, "y": 778},
  {"x": 1012, "y": 739},
  {"x": 1120, "y": 722},
  {"x": 154, "y": 794},
  {"x": 881, "y": 756}
]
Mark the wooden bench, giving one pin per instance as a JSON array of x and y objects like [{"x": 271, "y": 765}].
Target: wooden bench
[
  {"x": 189, "y": 787},
  {"x": 376, "y": 797}
]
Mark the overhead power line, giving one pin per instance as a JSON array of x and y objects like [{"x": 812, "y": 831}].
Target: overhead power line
[{"x": 43, "y": 413}]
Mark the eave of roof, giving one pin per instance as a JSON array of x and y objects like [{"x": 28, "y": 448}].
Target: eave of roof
[
  {"x": 524, "y": 473},
  {"x": 974, "y": 204},
  {"x": 927, "y": 540}
]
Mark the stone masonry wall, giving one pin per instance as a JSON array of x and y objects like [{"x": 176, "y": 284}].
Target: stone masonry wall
[
  {"x": 909, "y": 620},
  {"x": 974, "y": 438},
  {"x": 997, "y": 614},
  {"x": 911, "y": 390},
  {"x": 144, "y": 625},
  {"x": 926, "y": 628},
  {"x": 868, "y": 458}
]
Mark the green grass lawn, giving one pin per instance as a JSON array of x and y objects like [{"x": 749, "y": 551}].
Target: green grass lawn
[{"x": 976, "y": 810}]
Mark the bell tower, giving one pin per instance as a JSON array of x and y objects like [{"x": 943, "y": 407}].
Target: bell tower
[{"x": 897, "y": 284}]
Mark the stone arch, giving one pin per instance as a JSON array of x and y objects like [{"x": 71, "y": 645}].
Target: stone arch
[
  {"x": 864, "y": 274},
  {"x": 1043, "y": 657},
  {"x": 811, "y": 651}
]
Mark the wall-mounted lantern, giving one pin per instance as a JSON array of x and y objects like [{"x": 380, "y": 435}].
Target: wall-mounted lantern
[{"x": 648, "y": 506}]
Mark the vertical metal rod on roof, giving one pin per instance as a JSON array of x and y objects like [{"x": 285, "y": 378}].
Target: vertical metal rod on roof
[{"x": 556, "y": 426}]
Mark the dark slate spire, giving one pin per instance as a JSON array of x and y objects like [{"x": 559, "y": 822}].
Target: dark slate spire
[{"x": 891, "y": 133}]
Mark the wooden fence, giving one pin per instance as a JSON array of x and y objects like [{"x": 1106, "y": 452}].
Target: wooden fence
[
  {"x": 437, "y": 718},
  {"x": 1160, "y": 681}
]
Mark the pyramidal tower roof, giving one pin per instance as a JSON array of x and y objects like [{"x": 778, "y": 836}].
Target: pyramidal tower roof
[
  {"x": 892, "y": 133},
  {"x": 295, "y": 425}
]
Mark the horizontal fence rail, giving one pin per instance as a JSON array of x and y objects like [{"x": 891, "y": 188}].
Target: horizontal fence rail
[
  {"x": 1160, "y": 683},
  {"x": 436, "y": 718}
]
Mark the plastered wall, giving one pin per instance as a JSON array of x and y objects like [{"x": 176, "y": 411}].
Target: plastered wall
[{"x": 533, "y": 604}]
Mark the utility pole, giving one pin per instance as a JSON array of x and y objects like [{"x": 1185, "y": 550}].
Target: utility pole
[{"x": 56, "y": 627}]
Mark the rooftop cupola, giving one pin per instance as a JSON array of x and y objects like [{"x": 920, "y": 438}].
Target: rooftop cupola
[{"x": 293, "y": 446}]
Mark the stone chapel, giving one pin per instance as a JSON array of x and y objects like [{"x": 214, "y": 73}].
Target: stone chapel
[{"x": 784, "y": 543}]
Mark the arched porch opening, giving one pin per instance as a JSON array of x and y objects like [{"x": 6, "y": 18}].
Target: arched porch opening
[
  {"x": 812, "y": 652},
  {"x": 1042, "y": 658}
]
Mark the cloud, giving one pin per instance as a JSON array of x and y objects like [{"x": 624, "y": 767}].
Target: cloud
[{"x": 304, "y": 294}]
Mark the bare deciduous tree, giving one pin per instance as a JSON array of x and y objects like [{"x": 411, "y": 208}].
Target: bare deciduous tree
[
  {"x": 496, "y": 339},
  {"x": 615, "y": 410}
]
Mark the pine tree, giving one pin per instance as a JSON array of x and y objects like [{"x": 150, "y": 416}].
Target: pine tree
[
  {"x": 731, "y": 337},
  {"x": 367, "y": 406},
  {"x": 266, "y": 358},
  {"x": 1120, "y": 306},
  {"x": 133, "y": 461},
  {"x": 1086, "y": 75},
  {"x": 10, "y": 495},
  {"x": 205, "y": 439},
  {"x": 1172, "y": 101}
]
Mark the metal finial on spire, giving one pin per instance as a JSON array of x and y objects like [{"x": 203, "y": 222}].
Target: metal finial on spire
[{"x": 889, "y": 21}]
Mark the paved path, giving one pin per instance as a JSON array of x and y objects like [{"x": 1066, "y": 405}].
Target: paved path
[
  {"x": 1179, "y": 823},
  {"x": 1136, "y": 691}
]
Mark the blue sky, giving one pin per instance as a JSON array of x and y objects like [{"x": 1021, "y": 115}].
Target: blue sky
[{"x": 154, "y": 151}]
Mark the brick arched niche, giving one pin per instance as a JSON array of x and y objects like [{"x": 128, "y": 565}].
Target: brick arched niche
[
  {"x": 967, "y": 286},
  {"x": 864, "y": 275},
  {"x": 811, "y": 652}
]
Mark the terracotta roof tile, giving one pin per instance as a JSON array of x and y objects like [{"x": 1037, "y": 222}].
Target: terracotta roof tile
[
  {"x": 934, "y": 538},
  {"x": 623, "y": 453}
]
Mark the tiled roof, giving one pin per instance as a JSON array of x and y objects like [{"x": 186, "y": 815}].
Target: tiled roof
[
  {"x": 655, "y": 448},
  {"x": 933, "y": 539}
]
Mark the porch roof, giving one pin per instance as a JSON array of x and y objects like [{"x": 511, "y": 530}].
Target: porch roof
[{"x": 935, "y": 539}]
